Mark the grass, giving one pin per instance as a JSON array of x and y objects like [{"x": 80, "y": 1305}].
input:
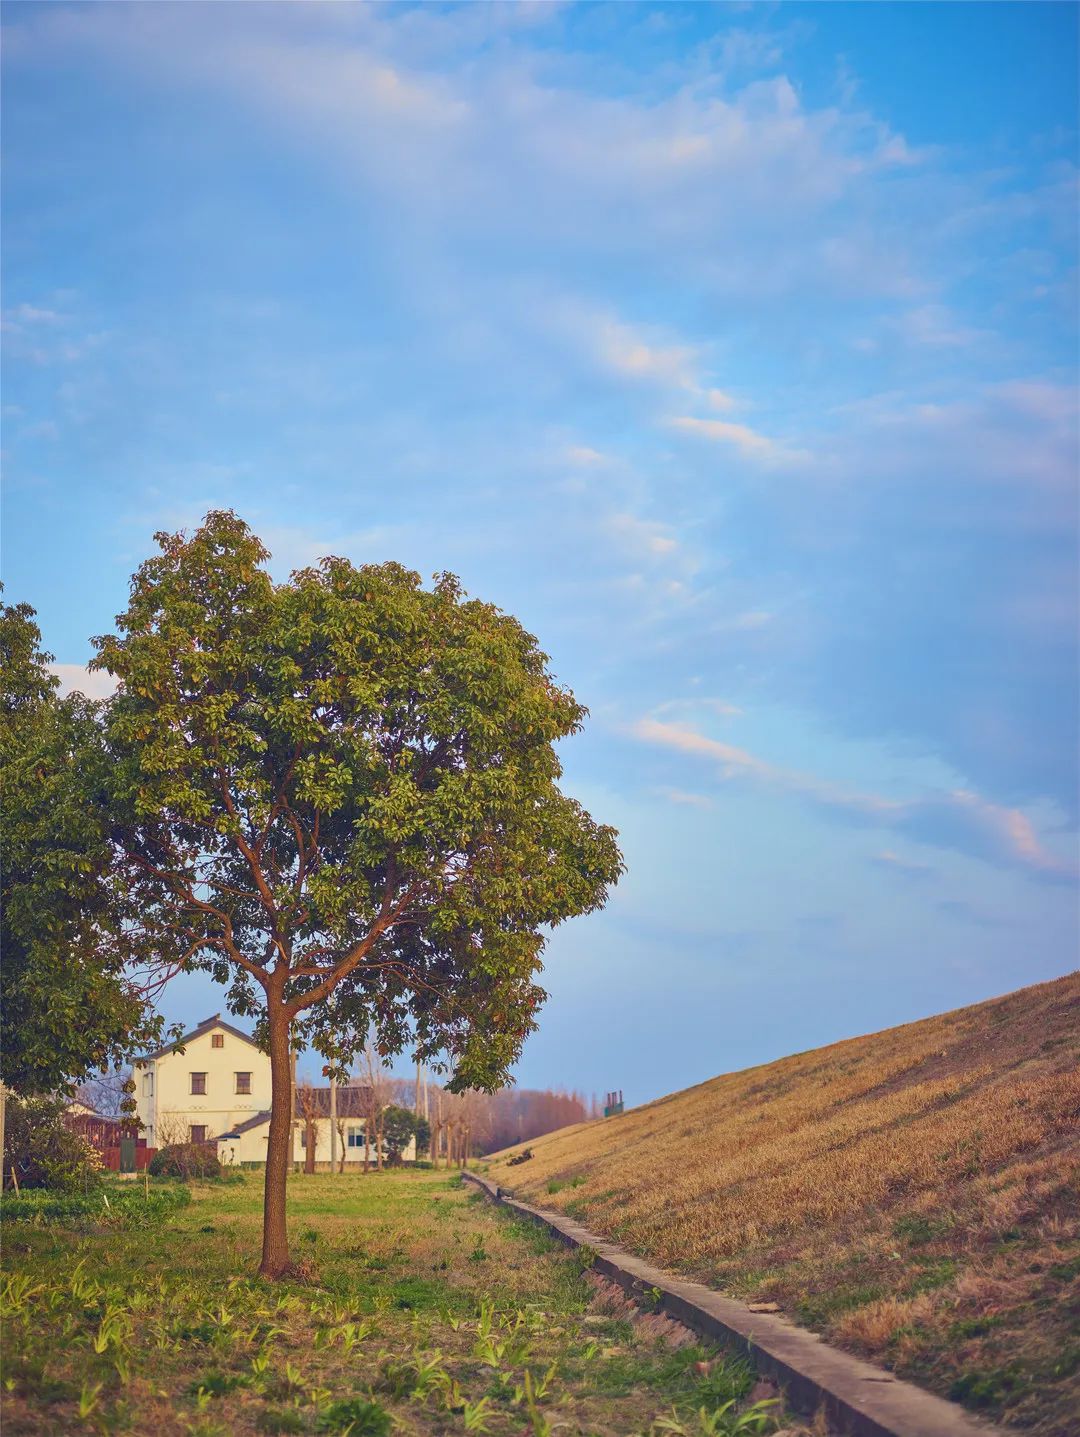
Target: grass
[
  {"x": 423, "y": 1310},
  {"x": 121, "y": 1205},
  {"x": 913, "y": 1195}
]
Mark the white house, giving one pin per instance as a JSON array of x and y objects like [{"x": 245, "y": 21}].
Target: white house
[
  {"x": 219, "y": 1081},
  {"x": 246, "y": 1142},
  {"x": 218, "y": 1090}
]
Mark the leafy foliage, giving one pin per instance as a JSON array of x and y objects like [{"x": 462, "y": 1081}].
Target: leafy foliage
[
  {"x": 185, "y": 1160},
  {"x": 43, "y": 1151},
  {"x": 344, "y": 788},
  {"x": 422, "y": 1133},
  {"x": 398, "y": 1126},
  {"x": 68, "y": 1003}
]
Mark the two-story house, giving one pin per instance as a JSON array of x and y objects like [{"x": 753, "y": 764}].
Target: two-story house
[
  {"x": 218, "y": 1090},
  {"x": 220, "y": 1081}
]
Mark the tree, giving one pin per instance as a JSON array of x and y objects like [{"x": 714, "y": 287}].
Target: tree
[
  {"x": 69, "y": 1001},
  {"x": 379, "y": 1089},
  {"x": 422, "y": 1134},
  {"x": 398, "y": 1126},
  {"x": 104, "y": 1092},
  {"x": 310, "y": 1112},
  {"x": 40, "y": 1150},
  {"x": 341, "y": 790}
]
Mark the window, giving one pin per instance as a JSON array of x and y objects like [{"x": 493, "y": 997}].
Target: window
[
  {"x": 148, "y": 1085},
  {"x": 354, "y": 1137},
  {"x": 198, "y": 1132},
  {"x": 217, "y": 1040},
  {"x": 198, "y": 1085},
  {"x": 243, "y": 1082}
]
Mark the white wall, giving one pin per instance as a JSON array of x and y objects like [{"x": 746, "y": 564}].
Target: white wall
[
  {"x": 250, "y": 1147},
  {"x": 172, "y": 1102}
]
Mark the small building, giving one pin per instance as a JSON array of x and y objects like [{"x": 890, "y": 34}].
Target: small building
[{"x": 245, "y": 1144}]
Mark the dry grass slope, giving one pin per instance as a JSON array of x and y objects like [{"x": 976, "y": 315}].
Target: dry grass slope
[{"x": 914, "y": 1195}]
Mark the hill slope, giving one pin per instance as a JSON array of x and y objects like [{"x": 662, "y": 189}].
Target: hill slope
[{"x": 911, "y": 1194}]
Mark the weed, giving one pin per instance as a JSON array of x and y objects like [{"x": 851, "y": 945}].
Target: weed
[
  {"x": 275, "y": 1420},
  {"x": 355, "y": 1417},
  {"x": 474, "y": 1416}
]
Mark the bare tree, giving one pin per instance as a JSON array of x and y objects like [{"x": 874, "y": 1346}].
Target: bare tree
[
  {"x": 174, "y": 1129},
  {"x": 380, "y": 1093},
  {"x": 307, "y": 1104},
  {"x": 104, "y": 1093}
]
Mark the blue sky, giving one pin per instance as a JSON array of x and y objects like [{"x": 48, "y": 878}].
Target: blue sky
[{"x": 730, "y": 347}]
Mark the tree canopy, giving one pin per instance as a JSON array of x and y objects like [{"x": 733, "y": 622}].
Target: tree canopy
[
  {"x": 343, "y": 790},
  {"x": 67, "y": 998},
  {"x": 398, "y": 1126}
]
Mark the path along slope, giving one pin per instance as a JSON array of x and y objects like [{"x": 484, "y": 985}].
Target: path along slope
[{"x": 914, "y": 1195}]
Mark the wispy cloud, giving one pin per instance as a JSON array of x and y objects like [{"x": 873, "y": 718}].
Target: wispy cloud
[
  {"x": 907, "y": 867},
  {"x": 684, "y": 798},
  {"x": 957, "y": 819},
  {"x": 642, "y": 536}
]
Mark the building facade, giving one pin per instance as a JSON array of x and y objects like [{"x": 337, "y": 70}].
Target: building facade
[
  {"x": 218, "y": 1091},
  {"x": 221, "y": 1080}
]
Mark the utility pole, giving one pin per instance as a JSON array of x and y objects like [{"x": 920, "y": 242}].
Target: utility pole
[{"x": 333, "y": 1126}]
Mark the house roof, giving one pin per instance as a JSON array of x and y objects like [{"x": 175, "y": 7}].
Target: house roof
[
  {"x": 245, "y": 1127},
  {"x": 206, "y": 1026}
]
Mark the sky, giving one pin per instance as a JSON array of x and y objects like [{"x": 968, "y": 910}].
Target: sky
[{"x": 732, "y": 348}]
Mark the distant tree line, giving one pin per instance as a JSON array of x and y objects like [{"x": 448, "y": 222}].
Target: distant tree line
[
  {"x": 452, "y": 1127},
  {"x": 488, "y": 1122}
]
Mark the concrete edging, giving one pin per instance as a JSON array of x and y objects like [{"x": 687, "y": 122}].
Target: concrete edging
[{"x": 863, "y": 1400}]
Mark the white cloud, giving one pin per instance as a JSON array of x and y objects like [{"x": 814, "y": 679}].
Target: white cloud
[
  {"x": 623, "y": 350},
  {"x": 642, "y": 537},
  {"x": 585, "y": 457},
  {"x": 955, "y": 819},
  {"x": 712, "y": 705},
  {"x": 682, "y": 797},
  {"x": 910, "y": 867},
  {"x": 453, "y": 126},
  {"x": 30, "y": 314},
  {"x": 75, "y": 678},
  {"x": 748, "y": 441},
  {"x": 935, "y": 326}
]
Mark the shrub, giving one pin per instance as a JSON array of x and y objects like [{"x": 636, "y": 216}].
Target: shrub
[
  {"x": 185, "y": 1160},
  {"x": 44, "y": 1152}
]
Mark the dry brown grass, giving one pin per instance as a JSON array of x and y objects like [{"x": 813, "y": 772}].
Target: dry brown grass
[{"x": 913, "y": 1194}]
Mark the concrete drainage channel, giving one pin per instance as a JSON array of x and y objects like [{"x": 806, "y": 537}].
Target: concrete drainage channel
[{"x": 860, "y": 1399}]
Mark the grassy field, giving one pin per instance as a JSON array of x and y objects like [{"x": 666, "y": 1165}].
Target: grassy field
[
  {"x": 423, "y": 1310},
  {"x": 912, "y": 1194}
]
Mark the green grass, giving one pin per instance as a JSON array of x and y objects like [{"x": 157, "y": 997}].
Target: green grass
[
  {"x": 420, "y": 1311},
  {"x": 122, "y": 1205}
]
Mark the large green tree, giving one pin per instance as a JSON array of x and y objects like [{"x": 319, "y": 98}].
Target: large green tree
[
  {"x": 339, "y": 795},
  {"x": 68, "y": 1000}
]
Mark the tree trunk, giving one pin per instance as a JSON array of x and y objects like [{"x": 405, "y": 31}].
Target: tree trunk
[
  {"x": 309, "y": 1146},
  {"x": 275, "y": 1250}
]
